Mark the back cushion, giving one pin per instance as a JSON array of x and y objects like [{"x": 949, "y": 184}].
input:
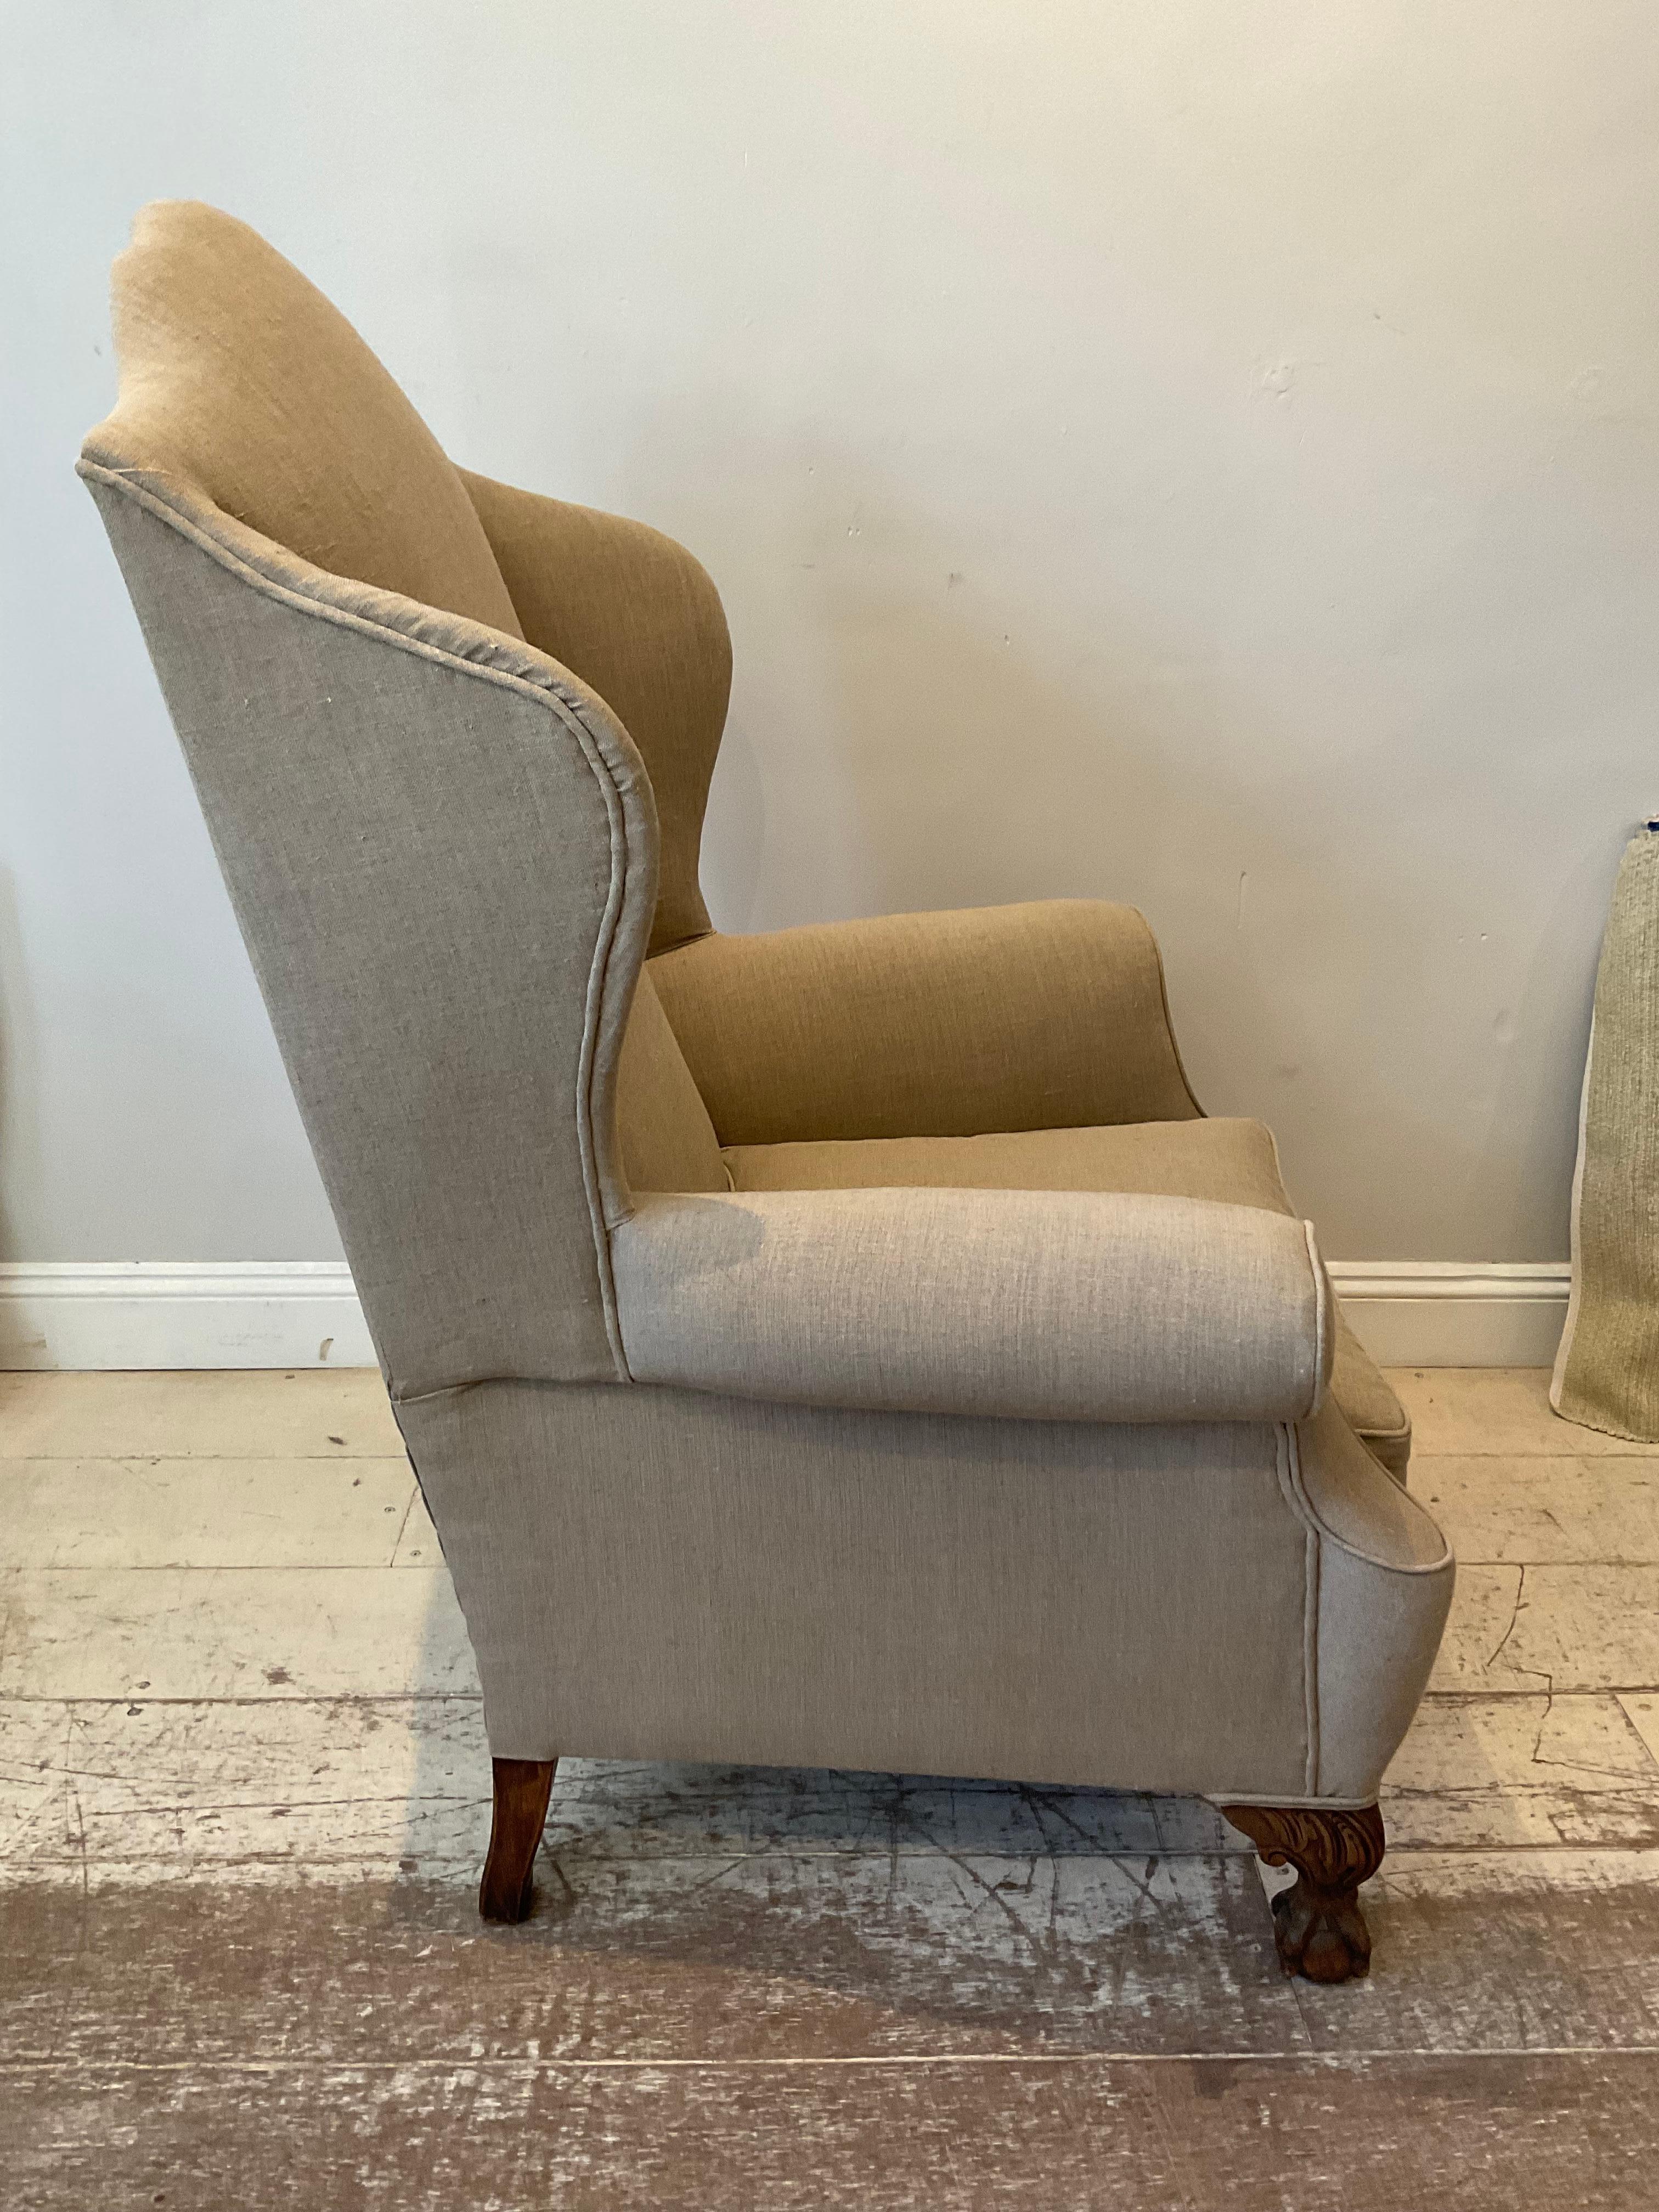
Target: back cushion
[{"x": 239, "y": 375}]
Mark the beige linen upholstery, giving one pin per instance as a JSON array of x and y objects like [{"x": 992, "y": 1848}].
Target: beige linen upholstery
[
  {"x": 829, "y": 1467},
  {"x": 1062, "y": 1306},
  {"x": 1234, "y": 1161},
  {"x": 1234, "y": 1609}
]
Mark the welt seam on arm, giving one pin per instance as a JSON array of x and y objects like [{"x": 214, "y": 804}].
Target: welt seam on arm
[
  {"x": 1295, "y": 1497},
  {"x": 599, "y": 974}
]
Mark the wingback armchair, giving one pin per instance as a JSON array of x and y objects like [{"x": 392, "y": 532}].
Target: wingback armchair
[{"x": 850, "y": 1345}]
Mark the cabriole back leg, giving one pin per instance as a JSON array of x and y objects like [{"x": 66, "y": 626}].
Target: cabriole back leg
[
  {"x": 1317, "y": 1922},
  {"x": 522, "y": 1787}
]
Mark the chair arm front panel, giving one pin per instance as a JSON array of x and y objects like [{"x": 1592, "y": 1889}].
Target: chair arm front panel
[
  {"x": 1048, "y": 1305},
  {"x": 1045, "y": 1015},
  {"x": 1386, "y": 1574}
]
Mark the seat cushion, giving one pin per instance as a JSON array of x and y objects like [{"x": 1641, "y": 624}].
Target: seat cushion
[{"x": 1235, "y": 1161}]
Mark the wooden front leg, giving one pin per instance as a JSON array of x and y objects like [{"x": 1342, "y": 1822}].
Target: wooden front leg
[
  {"x": 522, "y": 1786},
  {"x": 1317, "y": 1922}
]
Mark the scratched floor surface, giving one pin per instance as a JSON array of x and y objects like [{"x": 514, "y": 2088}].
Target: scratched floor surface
[{"x": 243, "y": 1800}]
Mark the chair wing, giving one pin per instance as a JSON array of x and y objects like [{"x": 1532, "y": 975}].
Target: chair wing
[
  {"x": 636, "y": 617},
  {"x": 441, "y": 850}
]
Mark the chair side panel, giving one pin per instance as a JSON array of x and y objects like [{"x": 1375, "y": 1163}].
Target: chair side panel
[{"x": 660, "y": 1574}]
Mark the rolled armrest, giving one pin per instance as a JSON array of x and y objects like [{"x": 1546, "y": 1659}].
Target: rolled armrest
[
  {"x": 1045, "y": 1016},
  {"x": 1047, "y": 1305}
]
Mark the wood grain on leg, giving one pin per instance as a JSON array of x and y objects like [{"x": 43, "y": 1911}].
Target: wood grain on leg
[
  {"x": 1317, "y": 1922},
  {"x": 522, "y": 1786}
]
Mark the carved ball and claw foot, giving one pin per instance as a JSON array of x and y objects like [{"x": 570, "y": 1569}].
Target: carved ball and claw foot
[
  {"x": 522, "y": 1787},
  {"x": 1317, "y": 1922}
]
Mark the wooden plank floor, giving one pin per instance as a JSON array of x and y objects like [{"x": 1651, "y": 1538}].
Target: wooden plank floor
[{"x": 243, "y": 1798}]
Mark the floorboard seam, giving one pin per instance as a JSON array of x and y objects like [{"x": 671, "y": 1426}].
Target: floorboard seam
[{"x": 1384, "y": 2054}]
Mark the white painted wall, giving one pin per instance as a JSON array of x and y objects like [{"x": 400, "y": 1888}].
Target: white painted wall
[{"x": 1200, "y": 452}]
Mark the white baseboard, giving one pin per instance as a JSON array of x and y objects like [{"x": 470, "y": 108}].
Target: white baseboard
[
  {"x": 1444, "y": 1313},
  {"x": 304, "y": 1313},
  {"x": 182, "y": 1313}
]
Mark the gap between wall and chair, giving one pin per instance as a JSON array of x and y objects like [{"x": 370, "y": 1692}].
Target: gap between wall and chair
[{"x": 304, "y": 1313}]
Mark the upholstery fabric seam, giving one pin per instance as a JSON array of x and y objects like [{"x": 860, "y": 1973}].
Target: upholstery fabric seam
[
  {"x": 1310, "y": 1658},
  {"x": 592, "y": 1012},
  {"x": 1291, "y": 1488}
]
